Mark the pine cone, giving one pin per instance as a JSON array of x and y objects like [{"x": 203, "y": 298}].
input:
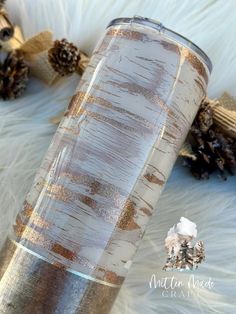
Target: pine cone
[
  {"x": 14, "y": 74},
  {"x": 213, "y": 149},
  {"x": 2, "y": 2},
  {"x": 205, "y": 117},
  {"x": 6, "y": 28},
  {"x": 63, "y": 57}
]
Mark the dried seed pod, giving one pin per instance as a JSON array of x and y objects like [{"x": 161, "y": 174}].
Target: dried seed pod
[
  {"x": 205, "y": 116},
  {"x": 6, "y": 28},
  {"x": 2, "y": 2},
  {"x": 212, "y": 148},
  {"x": 83, "y": 62},
  {"x": 63, "y": 57},
  {"x": 224, "y": 114},
  {"x": 13, "y": 76},
  {"x": 186, "y": 151},
  {"x": 226, "y": 119},
  {"x": 14, "y": 42}
]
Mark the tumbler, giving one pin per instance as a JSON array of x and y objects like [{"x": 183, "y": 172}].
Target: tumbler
[{"x": 74, "y": 240}]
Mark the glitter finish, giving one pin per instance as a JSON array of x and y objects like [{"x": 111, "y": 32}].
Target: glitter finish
[
  {"x": 166, "y": 32},
  {"x": 33, "y": 286},
  {"x": 99, "y": 183}
]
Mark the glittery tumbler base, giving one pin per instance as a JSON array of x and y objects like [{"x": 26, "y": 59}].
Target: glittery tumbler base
[{"x": 31, "y": 285}]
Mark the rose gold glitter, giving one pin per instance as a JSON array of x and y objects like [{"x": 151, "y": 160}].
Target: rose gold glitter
[
  {"x": 126, "y": 221},
  {"x": 200, "y": 85},
  {"x": 27, "y": 209},
  {"x": 71, "y": 130},
  {"x": 146, "y": 211},
  {"x": 71, "y": 105},
  {"x": 170, "y": 135},
  {"x": 195, "y": 62},
  {"x": 58, "y": 192},
  {"x": 169, "y": 46},
  {"x": 131, "y": 35},
  {"x": 109, "y": 276},
  {"x": 111, "y": 121},
  {"x": 153, "y": 179},
  {"x": 95, "y": 187},
  {"x": 19, "y": 227},
  {"x": 60, "y": 250},
  {"x": 149, "y": 94},
  {"x": 32, "y": 216},
  {"x": 88, "y": 201},
  {"x": 112, "y": 277},
  {"x": 38, "y": 221},
  {"x": 91, "y": 99},
  {"x": 31, "y": 235},
  {"x": 59, "y": 265}
]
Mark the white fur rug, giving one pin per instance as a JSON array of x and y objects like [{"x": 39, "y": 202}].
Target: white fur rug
[{"x": 26, "y": 132}]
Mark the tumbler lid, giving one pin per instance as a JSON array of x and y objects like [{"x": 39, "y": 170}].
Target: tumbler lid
[{"x": 158, "y": 26}]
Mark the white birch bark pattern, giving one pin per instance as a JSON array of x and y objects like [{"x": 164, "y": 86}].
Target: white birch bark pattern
[{"x": 113, "y": 152}]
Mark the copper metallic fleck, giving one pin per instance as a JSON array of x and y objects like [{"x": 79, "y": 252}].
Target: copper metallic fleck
[
  {"x": 126, "y": 221},
  {"x": 128, "y": 34},
  {"x": 153, "y": 179},
  {"x": 66, "y": 253}
]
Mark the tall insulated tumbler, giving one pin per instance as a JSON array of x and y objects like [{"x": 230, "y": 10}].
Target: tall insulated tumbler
[{"x": 74, "y": 240}]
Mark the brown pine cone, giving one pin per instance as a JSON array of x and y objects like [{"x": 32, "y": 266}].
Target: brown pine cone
[
  {"x": 212, "y": 150},
  {"x": 205, "y": 116},
  {"x": 64, "y": 57},
  {"x": 2, "y": 2},
  {"x": 14, "y": 74},
  {"x": 6, "y": 27}
]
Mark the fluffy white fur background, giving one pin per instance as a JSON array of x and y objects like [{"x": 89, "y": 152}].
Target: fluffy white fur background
[{"x": 26, "y": 131}]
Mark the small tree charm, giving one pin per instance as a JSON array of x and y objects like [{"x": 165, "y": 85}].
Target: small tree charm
[{"x": 181, "y": 254}]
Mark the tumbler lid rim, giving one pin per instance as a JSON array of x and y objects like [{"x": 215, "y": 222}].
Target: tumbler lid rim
[{"x": 159, "y": 26}]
